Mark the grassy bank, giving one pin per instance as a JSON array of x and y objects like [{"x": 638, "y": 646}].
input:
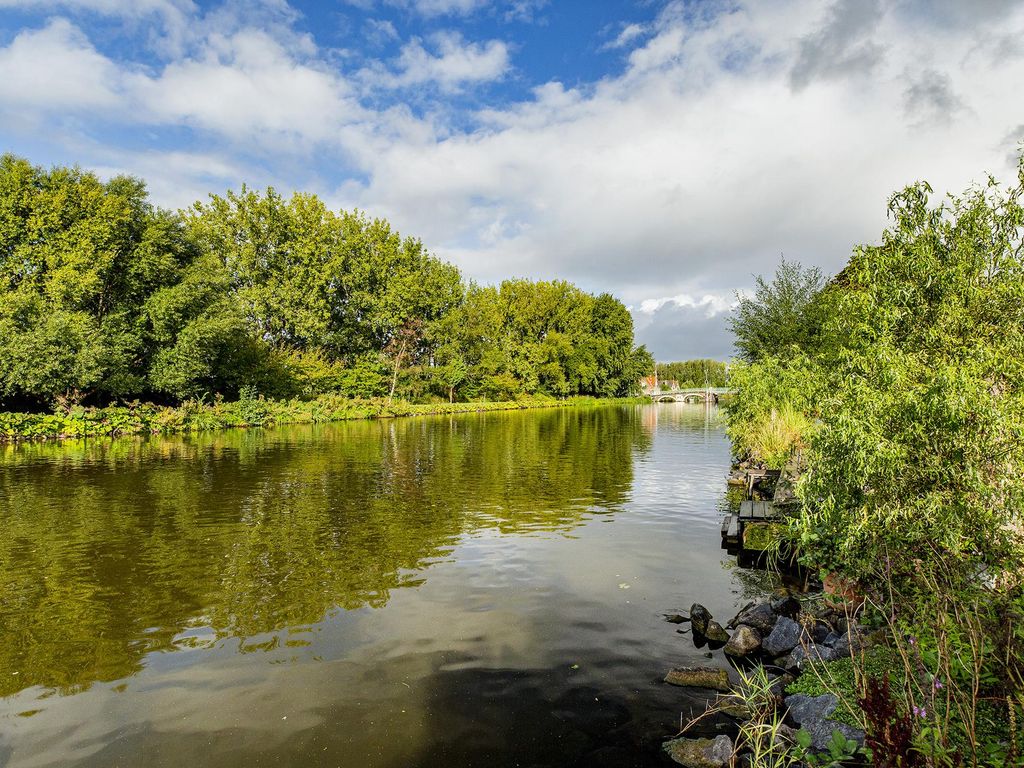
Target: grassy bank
[{"x": 197, "y": 416}]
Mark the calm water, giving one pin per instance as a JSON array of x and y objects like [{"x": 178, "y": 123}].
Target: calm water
[{"x": 484, "y": 590}]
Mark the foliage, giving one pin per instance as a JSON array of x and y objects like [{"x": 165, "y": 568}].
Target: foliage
[
  {"x": 783, "y": 316},
  {"x": 908, "y": 370},
  {"x": 691, "y": 374},
  {"x": 771, "y": 416},
  {"x": 762, "y": 732},
  {"x": 103, "y": 297}
]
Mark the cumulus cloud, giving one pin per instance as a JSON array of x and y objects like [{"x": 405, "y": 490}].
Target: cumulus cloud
[
  {"x": 55, "y": 68},
  {"x": 454, "y": 64},
  {"x": 685, "y": 327},
  {"x": 732, "y": 133}
]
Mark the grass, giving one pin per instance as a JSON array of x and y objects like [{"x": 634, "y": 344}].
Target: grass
[
  {"x": 777, "y": 435},
  {"x": 198, "y": 416},
  {"x": 844, "y": 678}
]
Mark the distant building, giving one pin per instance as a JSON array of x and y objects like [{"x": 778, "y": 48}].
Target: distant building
[{"x": 650, "y": 385}]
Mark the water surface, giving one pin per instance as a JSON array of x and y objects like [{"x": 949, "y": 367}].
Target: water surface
[{"x": 480, "y": 590}]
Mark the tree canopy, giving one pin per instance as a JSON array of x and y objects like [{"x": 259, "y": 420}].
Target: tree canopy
[{"x": 104, "y": 296}]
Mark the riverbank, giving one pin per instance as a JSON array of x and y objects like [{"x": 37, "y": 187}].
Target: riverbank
[{"x": 195, "y": 416}]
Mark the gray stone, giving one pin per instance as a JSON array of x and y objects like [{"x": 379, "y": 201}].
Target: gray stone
[
  {"x": 804, "y": 708},
  {"x": 821, "y": 733},
  {"x": 848, "y": 644},
  {"x": 699, "y": 618},
  {"x": 700, "y": 753},
  {"x": 715, "y": 633},
  {"x": 761, "y": 617},
  {"x": 699, "y": 677},
  {"x": 734, "y": 620},
  {"x": 798, "y": 657},
  {"x": 675, "y": 618},
  {"x": 744, "y": 641},
  {"x": 784, "y": 637},
  {"x": 812, "y": 714}
]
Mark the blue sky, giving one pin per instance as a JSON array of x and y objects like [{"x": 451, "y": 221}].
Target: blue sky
[{"x": 662, "y": 150}]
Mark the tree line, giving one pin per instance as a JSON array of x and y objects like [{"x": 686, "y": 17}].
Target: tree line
[
  {"x": 694, "y": 373},
  {"x": 104, "y": 296}
]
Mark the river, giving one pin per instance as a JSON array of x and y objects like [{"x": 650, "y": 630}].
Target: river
[{"x": 480, "y": 590}]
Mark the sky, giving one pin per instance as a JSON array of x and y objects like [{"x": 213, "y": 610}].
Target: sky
[{"x": 664, "y": 151}]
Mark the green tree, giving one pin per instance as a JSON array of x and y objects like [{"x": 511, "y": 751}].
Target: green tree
[{"x": 782, "y": 315}]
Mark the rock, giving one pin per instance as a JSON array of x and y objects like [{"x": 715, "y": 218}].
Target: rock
[
  {"x": 699, "y": 618},
  {"x": 804, "y": 708},
  {"x": 785, "y": 605},
  {"x": 821, "y": 733},
  {"x": 744, "y": 641},
  {"x": 675, "y": 618},
  {"x": 700, "y": 753},
  {"x": 715, "y": 633},
  {"x": 784, "y": 637},
  {"x": 819, "y": 632},
  {"x": 798, "y": 657},
  {"x": 850, "y": 643},
  {"x": 699, "y": 677},
  {"x": 733, "y": 706},
  {"x": 831, "y": 638},
  {"x": 812, "y": 714},
  {"x": 761, "y": 617}
]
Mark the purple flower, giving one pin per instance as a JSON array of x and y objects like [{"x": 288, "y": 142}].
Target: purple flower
[
  {"x": 937, "y": 684},
  {"x": 920, "y": 711},
  {"x": 912, "y": 640}
]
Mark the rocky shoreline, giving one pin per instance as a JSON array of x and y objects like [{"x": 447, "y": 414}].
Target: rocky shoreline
[{"x": 786, "y": 637}]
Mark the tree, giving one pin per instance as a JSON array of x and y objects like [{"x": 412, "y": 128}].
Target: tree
[{"x": 782, "y": 315}]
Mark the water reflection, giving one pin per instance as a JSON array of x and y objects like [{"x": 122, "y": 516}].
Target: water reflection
[
  {"x": 113, "y": 550},
  {"x": 452, "y": 591}
]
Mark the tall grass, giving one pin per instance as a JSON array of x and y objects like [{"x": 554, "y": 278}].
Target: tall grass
[{"x": 776, "y": 436}]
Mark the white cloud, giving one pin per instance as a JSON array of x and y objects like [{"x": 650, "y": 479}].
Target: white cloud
[
  {"x": 733, "y": 134},
  {"x": 455, "y": 64},
  {"x": 56, "y": 68},
  {"x": 709, "y": 304},
  {"x": 628, "y": 35},
  {"x": 247, "y": 85}
]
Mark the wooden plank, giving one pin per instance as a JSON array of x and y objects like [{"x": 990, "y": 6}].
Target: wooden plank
[
  {"x": 725, "y": 524},
  {"x": 746, "y": 509},
  {"x": 733, "y": 533}
]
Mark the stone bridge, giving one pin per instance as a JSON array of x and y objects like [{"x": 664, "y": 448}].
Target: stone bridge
[{"x": 703, "y": 395}]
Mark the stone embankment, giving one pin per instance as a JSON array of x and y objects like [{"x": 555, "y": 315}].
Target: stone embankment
[{"x": 787, "y": 638}]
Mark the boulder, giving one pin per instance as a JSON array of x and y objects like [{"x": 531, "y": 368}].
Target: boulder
[
  {"x": 744, "y": 641},
  {"x": 797, "y": 658},
  {"x": 784, "y": 637},
  {"x": 760, "y": 616},
  {"x": 699, "y": 618},
  {"x": 700, "y": 753},
  {"x": 699, "y": 677},
  {"x": 812, "y": 714},
  {"x": 715, "y": 633}
]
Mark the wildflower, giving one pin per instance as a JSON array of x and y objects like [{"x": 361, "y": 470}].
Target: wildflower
[
  {"x": 937, "y": 684},
  {"x": 912, "y": 640},
  {"x": 920, "y": 711}
]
